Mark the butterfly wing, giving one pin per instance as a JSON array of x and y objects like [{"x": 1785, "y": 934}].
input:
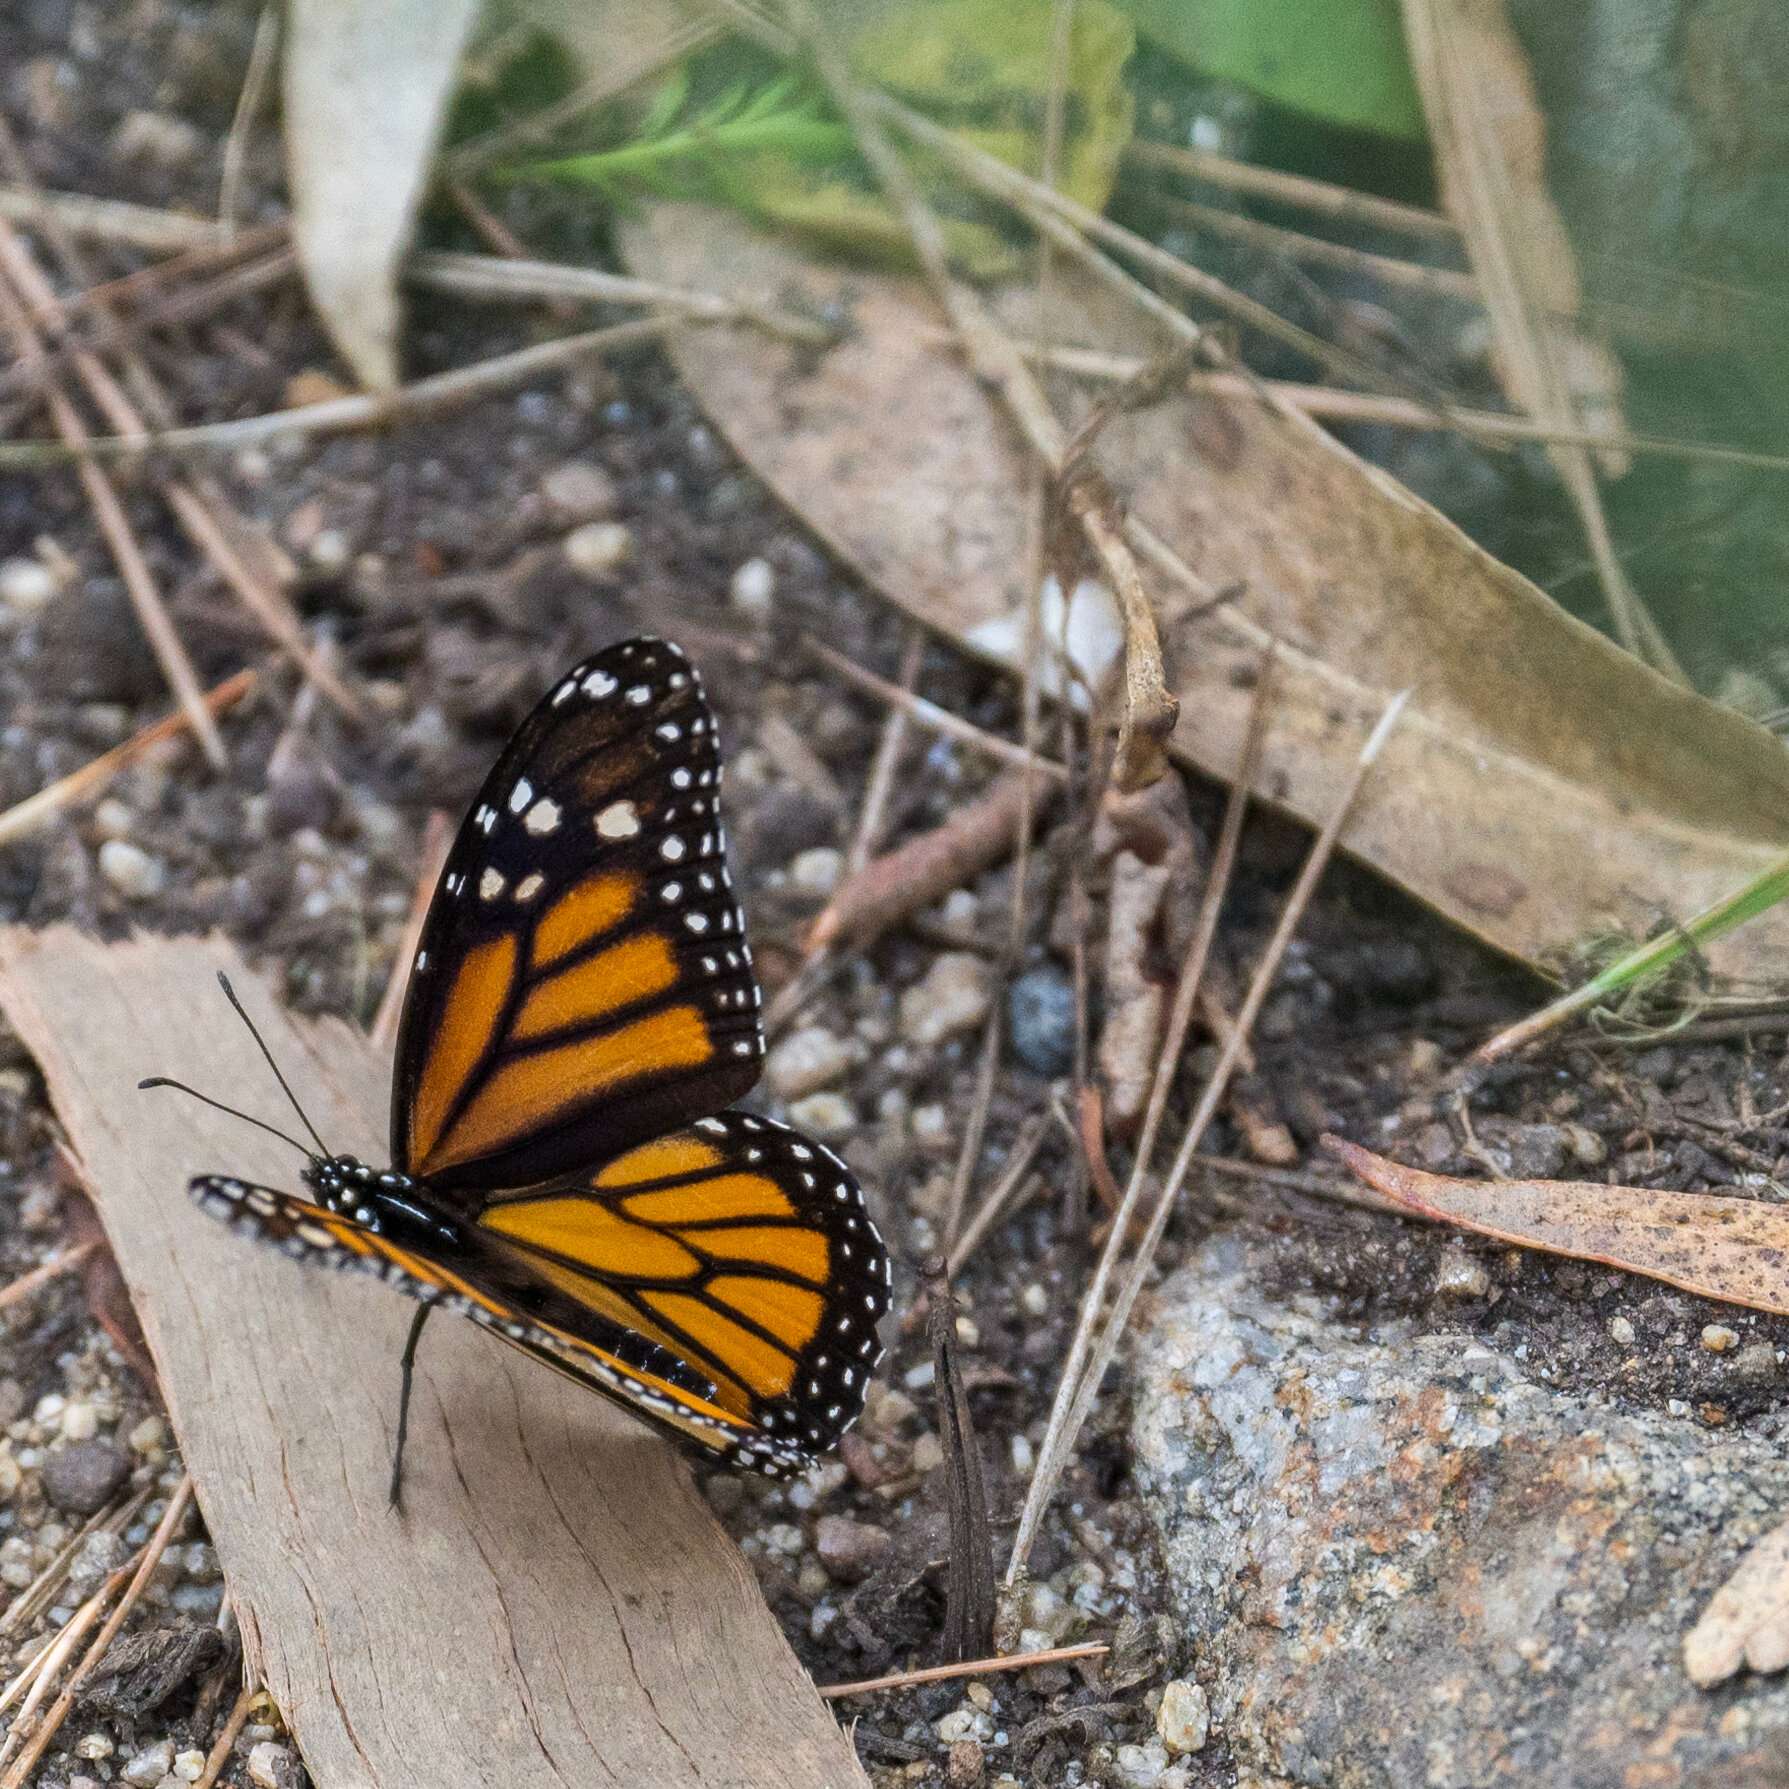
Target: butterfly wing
[
  {"x": 725, "y": 1282},
  {"x": 582, "y": 982}
]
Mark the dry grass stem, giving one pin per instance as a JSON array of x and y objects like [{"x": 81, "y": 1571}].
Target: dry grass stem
[
  {"x": 219, "y": 1755},
  {"x": 1295, "y": 190},
  {"x": 109, "y": 220},
  {"x": 1025, "y": 1145},
  {"x": 1012, "y": 1661},
  {"x": 38, "y": 1595},
  {"x": 1410, "y": 276},
  {"x": 436, "y": 838},
  {"x": 27, "y": 1283},
  {"x": 255, "y": 82},
  {"x": 361, "y": 410},
  {"x": 157, "y": 1545},
  {"x": 34, "y": 811},
  {"x": 28, "y": 1673},
  {"x": 987, "y": 1067},
  {"x": 1300, "y": 1180},
  {"x": 929, "y": 714}
]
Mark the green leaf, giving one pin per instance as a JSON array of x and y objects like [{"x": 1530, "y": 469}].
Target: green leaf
[{"x": 1343, "y": 61}]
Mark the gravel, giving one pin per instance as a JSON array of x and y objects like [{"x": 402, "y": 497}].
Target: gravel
[{"x": 84, "y": 1478}]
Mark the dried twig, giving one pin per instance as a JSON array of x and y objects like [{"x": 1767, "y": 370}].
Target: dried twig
[
  {"x": 79, "y": 785},
  {"x": 1296, "y": 190},
  {"x": 38, "y": 1743},
  {"x": 248, "y": 109},
  {"x": 1001, "y": 1196},
  {"x": 53, "y": 1269},
  {"x": 219, "y": 1755},
  {"x": 109, "y": 220},
  {"x": 1011, "y": 1661},
  {"x": 436, "y": 838},
  {"x": 38, "y": 1595},
  {"x": 361, "y": 410},
  {"x": 1071, "y": 1409}
]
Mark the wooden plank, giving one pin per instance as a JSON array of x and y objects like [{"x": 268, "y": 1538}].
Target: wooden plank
[{"x": 555, "y": 1605}]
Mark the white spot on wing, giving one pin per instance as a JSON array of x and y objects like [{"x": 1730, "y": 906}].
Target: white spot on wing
[
  {"x": 520, "y": 795},
  {"x": 543, "y": 817},
  {"x": 599, "y": 684},
  {"x": 530, "y": 886},
  {"x": 490, "y": 885},
  {"x": 619, "y": 820}
]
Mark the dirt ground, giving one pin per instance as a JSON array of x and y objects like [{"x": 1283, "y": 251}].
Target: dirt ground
[{"x": 434, "y": 568}]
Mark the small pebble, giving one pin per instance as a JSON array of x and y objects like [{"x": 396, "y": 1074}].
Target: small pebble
[
  {"x": 1041, "y": 1017},
  {"x": 1461, "y": 1276},
  {"x": 151, "y": 1764},
  {"x": 965, "y": 1765},
  {"x": 131, "y": 870},
  {"x": 1424, "y": 1060},
  {"x": 26, "y": 585},
  {"x": 598, "y": 548},
  {"x": 1024, "y": 1458},
  {"x": 753, "y": 588},
  {"x": 49, "y": 1409},
  {"x": 84, "y": 1478},
  {"x": 112, "y": 819},
  {"x": 784, "y": 1538},
  {"x": 1184, "y": 1718},
  {"x": 80, "y": 1422},
  {"x": 931, "y": 1128},
  {"x": 1036, "y": 1300},
  {"x": 1141, "y": 1767},
  {"x": 919, "y": 1377},
  {"x": 148, "y": 1435},
  {"x": 887, "y": 1410},
  {"x": 189, "y": 1766},
  {"x": 1621, "y": 1330},
  {"x": 1587, "y": 1148},
  {"x": 968, "y": 1722},
  {"x": 804, "y": 1062},
  {"x": 12, "y": 1475},
  {"x": 969, "y": 1332},
  {"x": 18, "y": 1561},
  {"x": 100, "y": 1553},
  {"x": 816, "y": 871},
  {"x": 579, "y": 491},
  {"x": 828, "y": 1116},
  {"x": 849, "y": 1549},
  {"x": 1756, "y": 1363},
  {"x": 93, "y": 1747},
  {"x": 1717, "y": 1338},
  {"x": 959, "y": 914},
  {"x": 253, "y": 465},
  {"x": 157, "y": 137},
  {"x": 952, "y": 997},
  {"x": 270, "y": 1766},
  {"x": 928, "y": 1453},
  {"x": 330, "y": 552}
]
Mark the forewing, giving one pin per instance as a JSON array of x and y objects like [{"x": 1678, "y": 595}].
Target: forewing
[
  {"x": 742, "y": 1248},
  {"x": 583, "y": 982}
]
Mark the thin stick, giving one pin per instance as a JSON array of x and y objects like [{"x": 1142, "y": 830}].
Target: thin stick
[
  {"x": 436, "y": 838},
  {"x": 1295, "y": 190},
  {"x": 158, "y": 1544},
  {"x": 360, "y": 410},
  {"x": 1299, "y": 1180},
  {"x": 1011, "y": 1661},
  {"x": 35, "y": 810},
  {"x": 35, "y": 1598},
  {"x": 929, "y": 714},
  {"x": 248, "y": 109},
  {"x": 219, "y": 1755},
  {"x": 109, "y": 220},
  {"x": 1053, "y": 1456},
  {"x": 1024, "y": 1150},
  {"x": 1180, "y": 1018},
  {"x": 121, "y": 539},
  {"x": 47, "y": 1665},
  {"x": 53, "y": 1269},
  {"x": 29, "y": 1673},
  {"x": 970, "y": 1152},
  {"x": 1442, "y": 282}
]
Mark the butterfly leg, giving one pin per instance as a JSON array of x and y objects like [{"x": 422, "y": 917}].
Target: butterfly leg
[{"x": 406, "y": 1370}]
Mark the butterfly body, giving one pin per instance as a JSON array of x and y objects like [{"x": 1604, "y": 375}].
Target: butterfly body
[{"x": 581, "y": 1012}]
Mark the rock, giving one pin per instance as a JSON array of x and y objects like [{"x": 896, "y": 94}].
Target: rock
[
  {"x": 928, "y": 1453},
  {"x": 1756, "y": 1363},
  {"x": 1406, "y": 1562},
  {"x": 1141, "y": 1767},
  {"x": 80, "y": 1421},
  {"x": 1621, "y": 1330},
  {"x": 100, "y": 1553},
  {"x": 189, "y": 1766},
  {"x": 158, "y": 138},
  {"x": 1588, "y": 1149},
  {"x": 84, "y": 1478},
  {"x": 967, "y": 1722},
  {"x": 150, "y": 1765},
  {"x": 828, "y": 1116},
  {"x": 272, "y": 1766},
  {"x": 599, "y": 548},
  {"x": 816, "y": 871},
  {"x": 804, "y": 1062},
  {"x": 965, "y": 1765},
  {"x": 1717, "y": 1338},
  {"x": 1184, "y": 1718},
  {"x": 1459, "y": 1275},
  {"x": 952, "y": 996},
  {"x": 1040, "y": 1011},
  {"x": 1526, "y": 1151},
  {"x": 578, "y": 491},
  {"x": 330, "y": 551},
  {"x": 849, "y": 1549},
  {"x": 753, "y": 588},
  {"x": 26, "y": 585},
  {"x": 131, "y": 870}
]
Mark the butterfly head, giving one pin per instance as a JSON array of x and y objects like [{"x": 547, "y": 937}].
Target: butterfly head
[{"x": 379, "y": 1199}]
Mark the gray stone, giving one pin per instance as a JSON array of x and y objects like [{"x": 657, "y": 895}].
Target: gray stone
[
  {"x": 1408, "y": 1563},
  {"x": 83, "y": 1479},
  {"x": 1041, "y": 1018}
]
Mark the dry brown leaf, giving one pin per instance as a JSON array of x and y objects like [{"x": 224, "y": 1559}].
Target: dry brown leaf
[
  {"x": 1747, "y": 1620},
  {"x": 1543, "y": 785},
  {"x": 1731, "y": 1249}
]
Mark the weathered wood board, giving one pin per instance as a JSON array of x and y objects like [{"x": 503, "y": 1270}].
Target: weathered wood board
[{"x": 555, "y": 1605}]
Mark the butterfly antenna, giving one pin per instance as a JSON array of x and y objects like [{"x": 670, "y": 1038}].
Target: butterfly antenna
[
  {"x": 218, "y": 1104},
  {"x": 230, "y": 994}
]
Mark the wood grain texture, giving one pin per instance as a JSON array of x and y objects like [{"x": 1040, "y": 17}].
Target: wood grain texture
[{"x": 555, "y": 1605}]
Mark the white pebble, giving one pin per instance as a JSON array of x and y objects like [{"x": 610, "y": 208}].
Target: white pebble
[
  {"x": 967, "y": 1722},
  {"x": 804, "y": 1062},
  {"x": 598, "y": 548},
  {"x": 113, "y": 819},
  {"x": 253, "y": 465},
  {"x": 26, "y": 585},
  {"x": 753, "y": 587},
  {"x": 158, "y": 137},
  {"x": 1024, "y": 1459},
  {"x": 150, "y": 1765},
  {"x": 1461, "y": 1276},
  {"x": 578, "y": 490},
  {"x": 785, "y": 1538},
  {"x": 1141, "y": 1767},
  {"x": 265, "y": 1763},
  {"x": 49, "y": 1409},
  {"x": 93, "y": 1747},
  {"x": 1184, "y": 1718},
  {"x": 952, "y": 997},
  {"x": 189, "y": 1766},
  {"x": 1717, "y": 1338},
  {"x": 919, "y": 1377},
  {"x": 928, "y": 1453},
  {"x": 1036, "y": 1300},
  {"x": 148, "y": 1435},
  {"x": 931, "y": 1128},
  {"x": 958, "y": 913},
  {"x": 131, "y": 870},
  {"x": 80, "y": 1422},
  {"x": 969, "y": 1332},
  {"x": 1620, "y": 1330},
  {"x": 330, "y": 552},
  {"x": 828, "y": 1116},
  {"x": 816, "y": 872}
]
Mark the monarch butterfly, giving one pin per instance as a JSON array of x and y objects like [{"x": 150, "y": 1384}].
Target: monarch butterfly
[{"x": 580, "y": 1013}]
